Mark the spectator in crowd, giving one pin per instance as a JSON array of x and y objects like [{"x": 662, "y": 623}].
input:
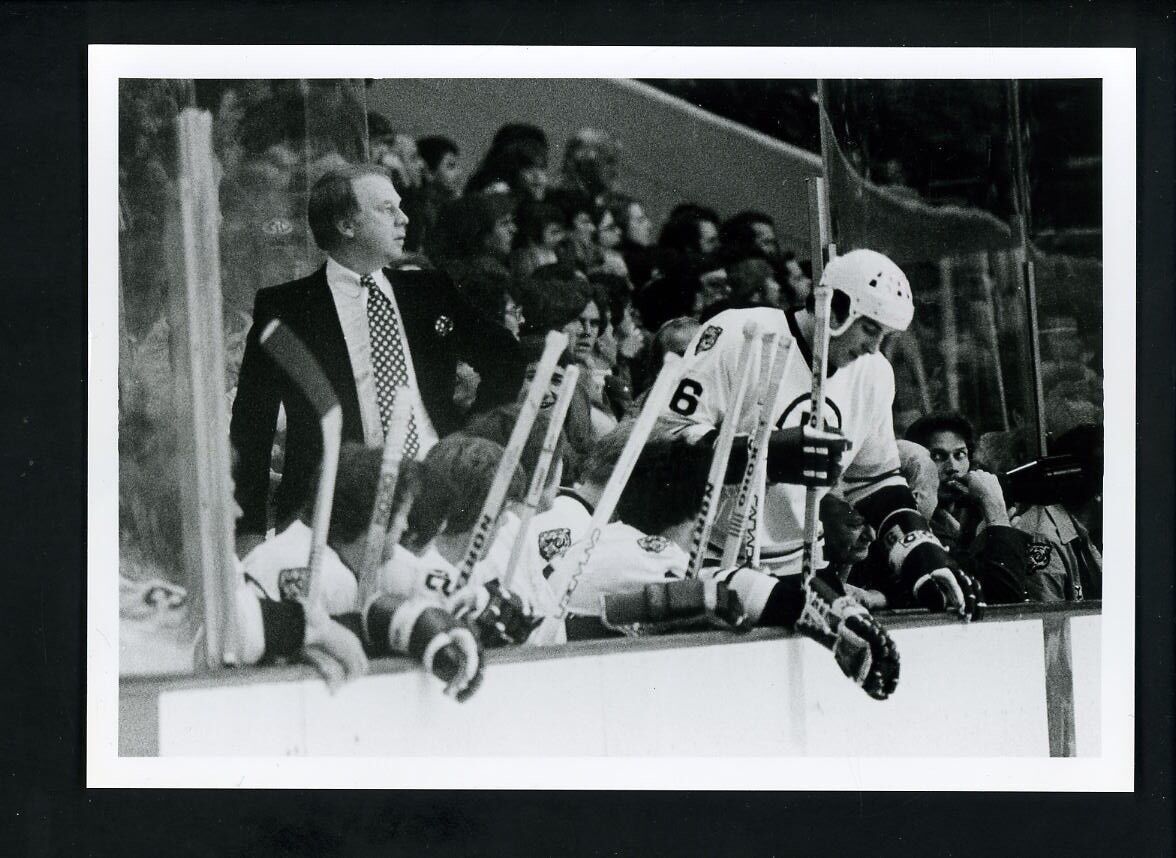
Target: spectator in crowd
[
  {"x": 349, "y": 313},
  {"x": 518, "y": 167},
  {"x": 749, "y": 228},
  {"x": 442, "y": 168},
  {"x": 580, "y": 248},
  {"x": 637, "y": 245},
  {"x": 987, "y": 547},
  {"x": 847, "y": 542},
  {"x": 590, "y": 164},
  {"x": 751, "y": 280},
  {"x": 542, "y": 232},
  {"x": 622, "y": 341},
  {"x": 796, "y": 284},
  {"x": 475, "y": 231},
  {"x": 439, "y": 185},
  {"x": 691, "y": 231},
  {"x": 970, "y": 498},
  {"x": 608, "y": 237}
]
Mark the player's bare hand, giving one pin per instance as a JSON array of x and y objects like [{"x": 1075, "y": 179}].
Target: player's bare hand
[{"x": 331, "y": 648}]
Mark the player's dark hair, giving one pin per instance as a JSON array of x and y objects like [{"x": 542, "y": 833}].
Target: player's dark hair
[
  {"x": 838, "y": 306},
  {"x": 332, "y": 198},
  {"x": 602, "y": 456},
  {"x": 666, "y": 487},
  {"x": 941, "y": 421},
  {"x": 356, "y": 482},
  {"x": 497, "y": 424},
  {"x": 457, "y": 474}
]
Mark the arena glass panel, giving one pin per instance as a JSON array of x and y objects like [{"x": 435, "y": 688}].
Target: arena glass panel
[
  {"x": 921, "y": 171},
  {"x": 270, "y": 138}
]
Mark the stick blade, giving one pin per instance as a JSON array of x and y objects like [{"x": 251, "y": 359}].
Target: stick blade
[{"x": 291, "y": 354}]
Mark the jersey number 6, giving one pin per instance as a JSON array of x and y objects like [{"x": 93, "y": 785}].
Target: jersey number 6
[{"x": 685, "y": 399}]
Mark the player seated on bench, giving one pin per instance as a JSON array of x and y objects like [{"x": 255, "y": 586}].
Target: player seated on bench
[
  {"x": 456, "y": 477},
  {"x": 277, "y": 620},
  {"x": 642, "y": 557}
]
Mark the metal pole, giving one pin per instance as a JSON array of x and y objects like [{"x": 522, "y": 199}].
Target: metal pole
[{"x": 1021, "y": 216}]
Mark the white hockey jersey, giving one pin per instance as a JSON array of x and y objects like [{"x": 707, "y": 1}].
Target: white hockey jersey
[
  {"x": 407, "y": 575},
  {"x": 858, "y": 399},
  {"x": 278, "y": 566},
  {"x": 623, "y": 561}
]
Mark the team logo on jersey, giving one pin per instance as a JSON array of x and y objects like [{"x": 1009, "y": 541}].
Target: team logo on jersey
[
  {"x": 554, "y": 542},
  {"x": 833, "y": 419},
  {"x": 653, "y": 544},
  {"x": 440, "y": 581},
  {"x": 709, "y": 337},
  {"x": 292, "y": 583},
  {"x": 1039, "y": 555}
]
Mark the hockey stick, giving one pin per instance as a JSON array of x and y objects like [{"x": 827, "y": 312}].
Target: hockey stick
[
  {"x": 770, "y": 375},
  {"x": 655, "y": 403},
  {"x": 480, "y": 538},
  {"x": 385, "y": 492},
  {"x": 284, "y": 347},
  {"x": 711, "y": 495},
  {"x": 559, "y": 413},
  {"x": 823, "y": 298}
]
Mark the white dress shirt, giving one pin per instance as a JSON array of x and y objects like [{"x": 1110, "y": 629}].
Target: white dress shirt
[{"x": 350, "y": 298}]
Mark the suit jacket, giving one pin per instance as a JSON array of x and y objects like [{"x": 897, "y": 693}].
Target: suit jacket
[{"x": 425, "y": 300}]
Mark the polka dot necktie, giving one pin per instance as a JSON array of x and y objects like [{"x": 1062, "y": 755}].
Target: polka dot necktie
[{"x": 388, "y": 359}]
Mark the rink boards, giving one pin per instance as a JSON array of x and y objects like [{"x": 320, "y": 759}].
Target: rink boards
[{"x": 1023, "y": 683}]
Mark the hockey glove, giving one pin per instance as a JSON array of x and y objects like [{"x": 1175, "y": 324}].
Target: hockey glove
[
  {"x": 804, "y": 456},
  {"x": 923, "y": 564},
  {"x": 862, "y": 648},
  {"x": 445, "y": 648},
  {"x": 673, "y": 606},
  {"x": 505, "y": 620}
]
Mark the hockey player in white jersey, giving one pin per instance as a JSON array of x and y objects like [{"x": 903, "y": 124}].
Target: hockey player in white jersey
[
  {"x": 871, "y": 297},
  {"x": 636, "y": 578}
]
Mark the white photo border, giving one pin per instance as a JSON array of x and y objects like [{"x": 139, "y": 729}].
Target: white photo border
[{"x": 1112, "y": 771}]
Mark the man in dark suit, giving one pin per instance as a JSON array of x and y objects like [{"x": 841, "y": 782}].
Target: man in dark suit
[{"x": 374, "y": 331}]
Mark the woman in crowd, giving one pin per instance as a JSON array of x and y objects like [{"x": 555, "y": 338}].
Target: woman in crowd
[
  {"x": 580, "y": 248},
  {"x": 542, "y": 231},
  {"x": 474, "y": 232},
  {"x": 590, "y": 163},
  {"x": 637, "y": 246},
  {"x": 518, "y": 166}
]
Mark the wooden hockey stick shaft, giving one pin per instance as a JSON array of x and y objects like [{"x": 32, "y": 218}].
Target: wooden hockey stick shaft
[
  {"x": 480, "y": 538},
  {"x": 655, "y": 403},
  {"x": 288, "y": 351},
  {"x": 398, "y": 423},
  {"x": 711, "y": 495},
  {"x": 823, "y": 298},
  {"x": 767, "y": 385},
  {"x": 559, "y": 413}
]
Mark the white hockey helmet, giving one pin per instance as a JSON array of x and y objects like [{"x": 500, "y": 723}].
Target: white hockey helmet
[{"x": 875, "y": 286}]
